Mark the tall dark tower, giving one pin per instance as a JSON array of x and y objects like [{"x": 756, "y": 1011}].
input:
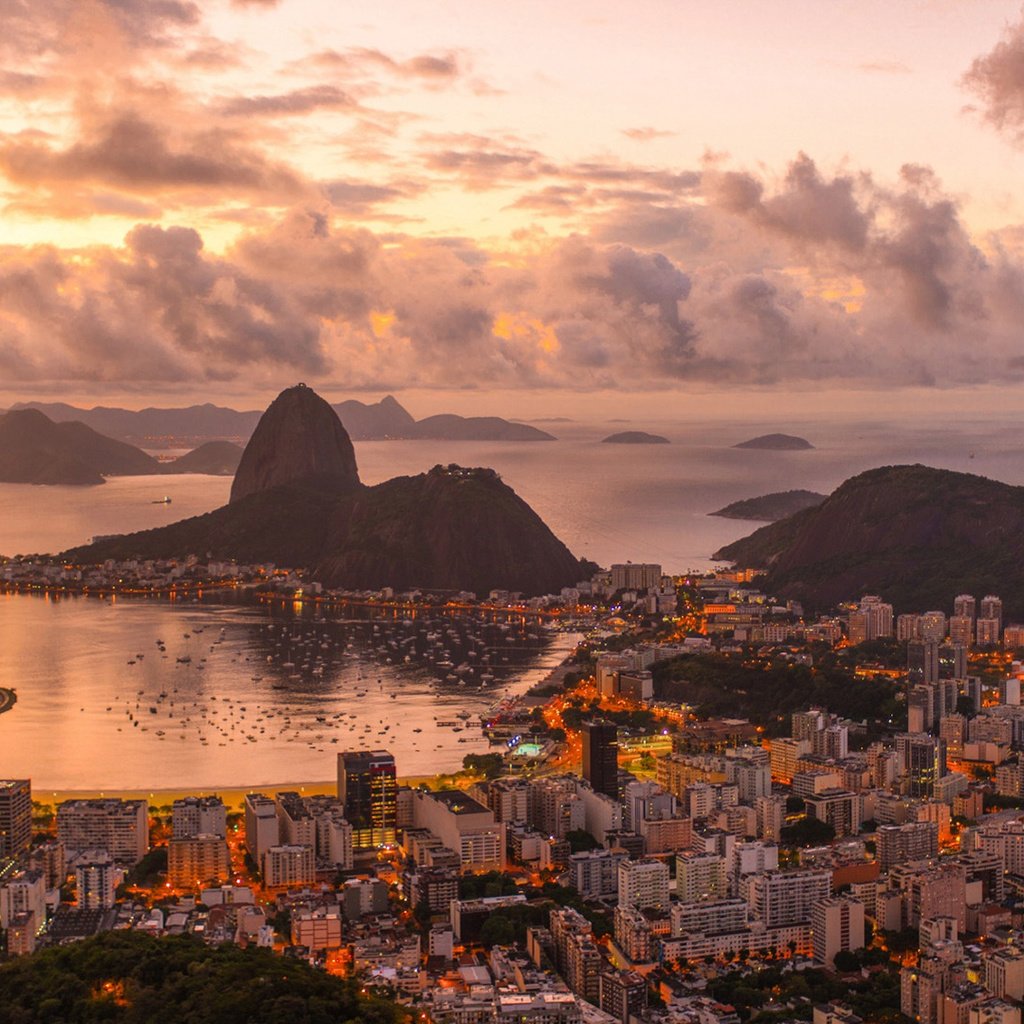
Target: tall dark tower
[
  {"x": 601, "y": 757},
  {"x": 368, "y": 789}
]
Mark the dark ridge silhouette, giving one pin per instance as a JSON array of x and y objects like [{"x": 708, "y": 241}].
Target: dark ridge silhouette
[{"x": 918, "y": 536}]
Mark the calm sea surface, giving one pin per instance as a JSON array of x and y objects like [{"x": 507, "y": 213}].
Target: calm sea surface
[{"x": 230, "y": 717}]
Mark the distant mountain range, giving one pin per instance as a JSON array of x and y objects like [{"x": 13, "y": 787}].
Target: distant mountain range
[
  {"x": 35, "y": 450},
  {"x": 917, "y": 536},
  {"x": 771, "y": 507},
  {"x": 297, "y": 500},
  {"x": 363, "y": 421}
]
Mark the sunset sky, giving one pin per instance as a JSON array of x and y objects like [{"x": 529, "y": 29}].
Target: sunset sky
[{"x": 215, "y": 199}]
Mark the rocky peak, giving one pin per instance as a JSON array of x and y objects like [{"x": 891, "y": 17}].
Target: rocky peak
[{"x": 299, "y": 439}]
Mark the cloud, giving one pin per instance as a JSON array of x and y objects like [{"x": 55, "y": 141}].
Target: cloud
[
  {"x": 997, "y": 79},
  {"x": 296, "y": 102},
  {"x": 440, "y": 67},
  {"x": 885, "y": 67},
  {"x": 647, "y": 134},
  {"x": 127, "y": 151}
]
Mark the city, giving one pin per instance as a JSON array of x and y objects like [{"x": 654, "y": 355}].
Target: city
[{"x": 620, "y": 855}]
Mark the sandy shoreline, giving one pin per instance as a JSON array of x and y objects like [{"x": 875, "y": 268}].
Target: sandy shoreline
[{"x": 233, "y": 796}]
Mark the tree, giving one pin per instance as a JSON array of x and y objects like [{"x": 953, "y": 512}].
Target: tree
[
  {"x": 580, "y": 841},
  {"x": 845, "y": 961}
]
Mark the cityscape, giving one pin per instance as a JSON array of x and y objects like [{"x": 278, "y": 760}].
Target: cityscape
[
  {"x": 511, "y": 513},
  {"x": 618, "y": 855}
]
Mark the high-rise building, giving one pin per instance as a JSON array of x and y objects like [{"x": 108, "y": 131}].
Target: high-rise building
[
  {"x": 368, "y": 791},
  {"x": 121, "y": 827},
  {"x": 987, "y": 631},
  {"x": 24, "y": 893},
  {"x": 96, "y": 880},
  {"x": 635, "y": 576},
  {"x": 700, "y": 877},
  {"x": 992, "y": 608},
  {"x": 923, "y": 661},
  {"x": 901, "y": 844},
  {"x": 965, "y": 606},
  {"x": 289, "y": 866},
  {"x": 837, "y": 925},
  {"x": 15, "y": 817},
  {"x": 643, "y": 883},
  {"x": 908, "y": 627},
  {"x": 771, "y": 816},
  {"x": 953, "y": 659},
  {"x": 922, "y": 761},
  {"x": 601, "y": 757},
  {"x": 961, "y": 630},
  {"x": 199, "y": 815},
  {"x": 262, "y": 829},
  {"x": 932, "y": 627},
  {"x": 780, "y": 898},
  {"x": 873, "y": 619},
  {"x": 197, "y": 860}
]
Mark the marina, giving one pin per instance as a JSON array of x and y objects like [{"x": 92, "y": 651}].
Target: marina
[{"x": 145, "y": 693}]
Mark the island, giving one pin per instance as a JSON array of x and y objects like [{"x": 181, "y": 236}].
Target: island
[
  {"x": 634, "y": 437},
  {"x": 776, "y": 443},
  {"x": 215, "y": 458},
  {"x": 771, "y": 507}
]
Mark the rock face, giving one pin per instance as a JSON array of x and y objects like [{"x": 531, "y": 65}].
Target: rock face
[
  {"x": 299, "y": 439},
  {"x": 373, "y": 421},
  {"x": 776, "y": 443},
  {"x": 297, "y": 501},
  {"x": 770, "y": 508},
  {"x": 915, "y": 535},
  {"x": 451, "y": 528},
  {"x": 35, "y": 450},
  {"x": 634, "y": 437}
]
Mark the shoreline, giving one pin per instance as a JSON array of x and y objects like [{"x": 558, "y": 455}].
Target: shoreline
[{"x": 233, "y": 796}]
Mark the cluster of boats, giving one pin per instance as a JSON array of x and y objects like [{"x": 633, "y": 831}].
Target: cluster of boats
[{"x": 324, "y": 664}]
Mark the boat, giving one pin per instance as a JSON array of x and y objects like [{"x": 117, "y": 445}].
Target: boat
[{"x": 165, "y": 500}]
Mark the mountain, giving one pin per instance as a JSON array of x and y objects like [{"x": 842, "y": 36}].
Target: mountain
[
  {"x": 298, "y": 440},
  {"x": 153, "y": 425},
  {"x": 776, "y": 443},
  {"x": 364, "y": 421},
  {"x": 35, "y": 450},
  {"x": 296, "y": 500},
  {"x": 373, "y": 422},
  {"x": 215, "y": 458},
  {"x": 771, "y": 507},
  {"x": 915, "y": 535},
  {"x": 449, "y": 427},
  {"x": 634, "y": 437}
]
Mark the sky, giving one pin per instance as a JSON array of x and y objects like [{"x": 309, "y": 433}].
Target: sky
[{"x": 212, "y": 200}]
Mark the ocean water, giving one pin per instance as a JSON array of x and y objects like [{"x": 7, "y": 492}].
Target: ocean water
[
  {"x": 237, "y": 696},
  {"x": 69, "y": 659}
]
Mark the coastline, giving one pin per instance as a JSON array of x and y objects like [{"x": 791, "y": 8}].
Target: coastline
[{"x": 233, "y": 796}]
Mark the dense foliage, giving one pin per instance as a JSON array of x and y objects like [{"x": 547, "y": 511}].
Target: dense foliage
[
  {"x": 130, "y": 978},
  {"x": 718, "y": 685},
  {"x": 774, "y": 994}
]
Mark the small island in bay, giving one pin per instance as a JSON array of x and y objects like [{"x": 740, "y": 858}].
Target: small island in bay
[
  {"x": 771, "y": 507},
  {"x": 635, "y": 437},
  {"x": 776, "y": 443},
  {"x": 215, "y": 458}
]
